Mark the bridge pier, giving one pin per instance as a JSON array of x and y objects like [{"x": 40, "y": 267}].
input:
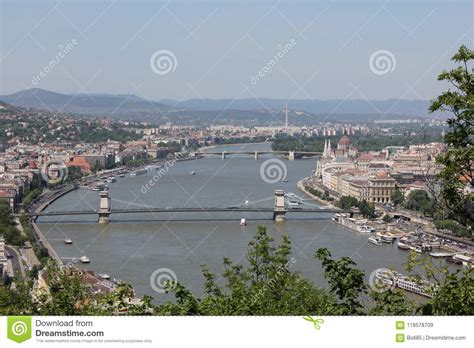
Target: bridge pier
[
  {"x": 279, "y": 209},
  {"x": 104, "y": 207},
  {"x": 256, "y": 155},
  {"x": 291, "y": 155},
  {"x": 223, "y": 155}
]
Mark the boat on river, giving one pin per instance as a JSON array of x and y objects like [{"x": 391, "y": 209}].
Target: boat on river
[
  {"x": 375, "y": 240},
  {"x": 138, "y": 172},
  {"x": 84, "y": 259},
  {"x": 356, "y": 225},
  {"x": 441, "y": 254},
  {"x": 403, "y": 246}
]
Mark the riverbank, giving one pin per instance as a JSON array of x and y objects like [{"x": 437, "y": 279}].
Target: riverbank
[{"x": 301, "y": 186}]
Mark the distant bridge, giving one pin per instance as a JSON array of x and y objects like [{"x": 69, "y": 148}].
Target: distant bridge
[
  {"x": 279, "y": 209},
  {"x": 290, "y": 154}
]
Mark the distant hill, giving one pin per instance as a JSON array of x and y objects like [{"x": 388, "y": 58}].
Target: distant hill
[
  {"x": 314, "y": 106},
  {"x": 259, "y": 111},
  {"x": 98, "y": 104}
]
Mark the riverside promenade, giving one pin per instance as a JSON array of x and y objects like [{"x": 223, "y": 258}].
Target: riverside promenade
[{"x": 43, "y": 202}]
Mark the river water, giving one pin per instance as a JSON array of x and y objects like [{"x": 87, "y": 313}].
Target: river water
[{"x": 133, "y": 246}]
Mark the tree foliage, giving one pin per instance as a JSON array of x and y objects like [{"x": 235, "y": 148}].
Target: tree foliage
[
  {"x": 267, "y": 285},
  {"x": 458, "y": 159}
]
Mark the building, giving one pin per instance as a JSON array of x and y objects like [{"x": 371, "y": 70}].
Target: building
[
  {"x": 80, "y": 161},
  {"x": 381, "y": 187}
]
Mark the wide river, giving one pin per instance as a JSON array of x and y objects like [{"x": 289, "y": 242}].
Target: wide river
[{"x": 133, "y": 246}]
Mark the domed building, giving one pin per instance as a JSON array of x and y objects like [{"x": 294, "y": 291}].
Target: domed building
[
  {"x": 331, "y": 156},
  {"x": 344, "y": 143},
  {"x": 345, "y": 148}
]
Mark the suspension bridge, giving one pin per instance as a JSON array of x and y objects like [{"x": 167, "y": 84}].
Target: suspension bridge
[{"x": 279, "y": 210}]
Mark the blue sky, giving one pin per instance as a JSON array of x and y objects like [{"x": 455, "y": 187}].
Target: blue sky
[{"x": 220, "y": 45}]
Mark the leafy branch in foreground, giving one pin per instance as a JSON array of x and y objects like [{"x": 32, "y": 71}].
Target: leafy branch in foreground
[
  {"x": 267, "y": 285},
  {"x": 457, "y": 160}
]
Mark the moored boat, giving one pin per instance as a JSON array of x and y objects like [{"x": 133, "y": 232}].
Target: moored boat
[
  {"x": 419, "y": 287},
  {"x": 441, "y": 254},
  {"x": 357, "y": 225},
  {"x": 453, "y": 260},
  {"x": 138, "y": 172},
  {"x": 375, "y": 240},
  {"x": 84, "y": 259},
  {"x": 403, "y": 246}
]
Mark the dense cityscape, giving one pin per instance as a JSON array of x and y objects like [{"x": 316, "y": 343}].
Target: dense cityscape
[
  {"x": 268, "y": 169},
  {"x": 393, "y": 188}
]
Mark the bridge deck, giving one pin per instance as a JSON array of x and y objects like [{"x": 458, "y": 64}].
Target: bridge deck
[{"x": 185, "y": 210}]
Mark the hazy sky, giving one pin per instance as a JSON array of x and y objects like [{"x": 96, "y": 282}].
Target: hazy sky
[{"x": 312, "y": 49}]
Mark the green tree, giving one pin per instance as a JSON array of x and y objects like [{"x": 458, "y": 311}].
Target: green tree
[
  {"x": 367, "y": 209},
  {"x": 454, "y": 296},
  {"x": 7, "y": 225},
  {"x": 346, "y": 281},
  {"x": 347, "y": 202},
  {"x": 266, "y": 287},
  {"x": 397, "y": 197},
  {"x": 457, "y": 160}
]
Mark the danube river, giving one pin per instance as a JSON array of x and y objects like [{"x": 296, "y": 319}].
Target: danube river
[{"x": 132, "y": 247}]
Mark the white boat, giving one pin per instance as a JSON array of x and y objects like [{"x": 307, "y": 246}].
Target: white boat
[
  {"x": 68, "y": 241},
  {"x": 193, "y": 173},
  {"x": 356, "y": 225},
  {"x": 247, "y": 202},
  {"x": 375, "y": 240},
  {"x": 121, "y": 175},
  {"x": 111, "y": 179},
  {"x": 467, "y": 261},
  {"x": 138, "y": 172},
  {"x": 418, "y": 287},
  {"x": 386, "y": 238},
  {"x": 403, "y": 246},
  {"x": 84, "y": 259},
  {"x": 98, "y": 186},
  {"x": 365, "y": 229},
  {"x": 293, "y": 204},
  {"x": 103, "y": 276},
  {"x": 243, "y": 222},
  {"x": 415, "y": 248},
  {"x": 441, "y": 254}
]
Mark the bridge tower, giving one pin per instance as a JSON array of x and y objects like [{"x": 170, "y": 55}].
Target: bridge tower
[
  {"x": 279, "y": 209},
  {"x": 223, "y": 154},
  {"x": 104, "y": 207},
  {"x": 291, "y": 155}
]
